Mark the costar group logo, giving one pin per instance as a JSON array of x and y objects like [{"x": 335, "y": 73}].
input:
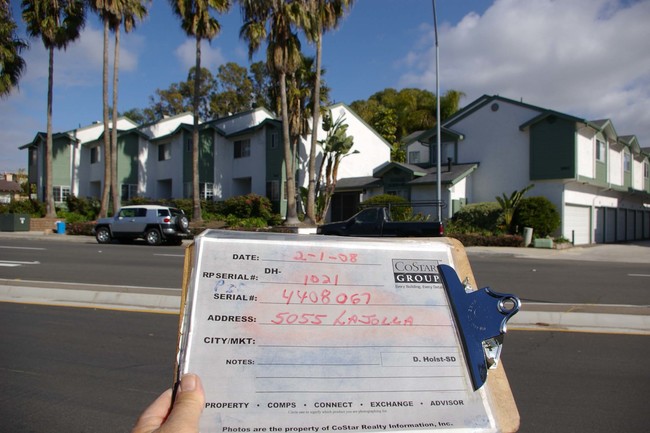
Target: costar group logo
[{"x": 416, "y": 271}]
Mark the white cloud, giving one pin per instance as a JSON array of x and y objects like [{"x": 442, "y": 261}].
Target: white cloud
[
  {"x": 588, "y": 58},
  {"x": 211, "y": 57}
]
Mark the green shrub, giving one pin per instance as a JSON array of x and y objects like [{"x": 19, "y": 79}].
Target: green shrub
[
  {"x": 538, "y": 213},
  {"x": 478, "y": 217},
  {"x": 33, "y": 208},
  {"x": 400, "y": 209},
  {"x": 480, "y": 240},
  {"x": 248, "y": 206},
  {"x": 88, "y": 208},
  {"x": 82, "y": 228}
]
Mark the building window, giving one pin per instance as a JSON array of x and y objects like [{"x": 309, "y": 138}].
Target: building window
[
  {"x": 274, "y": 140},
  {"x": 627, "y": 161},
  {"x": 94, "y": 154},
  {"x": 600, "y": 150},
  {"x": 273, "y": 190},
  {"x": 242, "y": 148},
  {"x": 646, "y": 170},
  {"x": 189, "y": 144},
  {"x": 414, "y": 157},
  {"x": 164, "y": 151},
  {"x": 206, "y": 191},
  {"x": 129, "y": 191},
  {"x": 60, "y": 193}
]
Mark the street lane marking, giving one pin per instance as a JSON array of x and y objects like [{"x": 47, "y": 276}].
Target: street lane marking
[
  {"x": 638, "y": 275},
  {"x": 170, "y": 255},
  {"x": 22, "y": 248},
  {"x": 14, "y": 263}
]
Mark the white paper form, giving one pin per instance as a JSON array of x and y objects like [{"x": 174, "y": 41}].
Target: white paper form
[{"x": 304, "y": 333}]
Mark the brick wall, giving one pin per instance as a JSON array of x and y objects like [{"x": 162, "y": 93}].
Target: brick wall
[{"x": 43, "y": 224}]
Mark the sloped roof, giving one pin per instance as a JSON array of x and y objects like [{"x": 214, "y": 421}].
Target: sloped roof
[
  {"x": 357, "y": 183},
  {"x": 9, "y": 186},
  {"x": 448, "y": 175}
]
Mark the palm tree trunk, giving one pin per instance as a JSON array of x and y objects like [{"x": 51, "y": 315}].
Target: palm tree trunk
[
  {"x": 311, "y": 191},
  {"x": 292, "y": 215},
  {"x": 116, "y": 193},
  {"x": 49, "y": 190},
  {"x": 103, "y": 210},
  {"x": 196, "y": 199}
]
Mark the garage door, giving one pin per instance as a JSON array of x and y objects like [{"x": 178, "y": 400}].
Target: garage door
[{"x": 577, "y": 224}]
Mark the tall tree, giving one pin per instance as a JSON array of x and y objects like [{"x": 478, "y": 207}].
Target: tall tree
[
  {"x": 57, "y": 23},
  {"x": 235, "y": 90},
  {"x": 325, "y": 15},
  {"x": 128, "y": 12},
  {"x": 106, "y": 9},
  {"x": 197, "y": 21},
  {"x": 12, "y": 65},
  {"x": 283, "y": 59}
]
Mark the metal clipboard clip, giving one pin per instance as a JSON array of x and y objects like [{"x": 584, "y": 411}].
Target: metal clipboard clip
[{"x": 481, "y": 317}]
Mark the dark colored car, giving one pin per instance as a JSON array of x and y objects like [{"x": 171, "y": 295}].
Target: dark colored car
[{"x": 375, "y": 221}]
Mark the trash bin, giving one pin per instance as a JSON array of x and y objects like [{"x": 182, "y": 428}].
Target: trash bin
[
  {"x": 528, "y": 236},
  {"x": 14, "y": 222},
  {"x": 60, "y": 227}
]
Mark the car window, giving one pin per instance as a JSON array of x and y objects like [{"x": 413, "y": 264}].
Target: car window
[
  {"x": 369, "y": 216},
  {"x": 163, "y": 212},
  {"x": 141, "y": 212},
  {"x": 127, "y": 213}
]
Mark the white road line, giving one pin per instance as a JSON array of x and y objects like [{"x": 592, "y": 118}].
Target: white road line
[
  {"x": 8, "y": 265},
  {"x": 170, "y": 255},
  {"x": 638, "y": 275},
  {"x": 22, "y": 248},
  {"x": 16, "y": 263}
]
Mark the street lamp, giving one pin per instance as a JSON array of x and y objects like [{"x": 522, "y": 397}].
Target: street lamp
[{"x": 438, "y": 152}]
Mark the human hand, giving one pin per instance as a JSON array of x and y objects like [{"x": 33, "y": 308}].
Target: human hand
[{"x": 183, "y": 417}]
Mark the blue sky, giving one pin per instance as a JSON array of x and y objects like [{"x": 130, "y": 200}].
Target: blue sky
[{"x": 587, "y": 58}]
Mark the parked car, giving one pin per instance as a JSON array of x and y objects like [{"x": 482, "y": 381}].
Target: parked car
[
  {"x": 155, "y": 224},
  {"x": 376, "y": 221}
]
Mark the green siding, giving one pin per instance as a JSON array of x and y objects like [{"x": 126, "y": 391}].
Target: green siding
[
  {"x": 127, "y": 159},
  {"x": 275, "y": 166},
  {"x": 61, "y": 149},
  {"x": 552, "y": 149},
  {"x": 206, "y": 156}
]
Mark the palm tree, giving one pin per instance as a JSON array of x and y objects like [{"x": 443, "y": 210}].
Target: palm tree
[
  {"x": 113, "y": 14},
  {"x": 105, "y": 9},
  {"x": 325, "y": 15},
  {"x": 11, "y": 64},
  {"x": 129, "y": 12},
  {"x": 58, "y": 23},
  {"x": 197, "y": 21},
  {"x": 283, "y": 58}
]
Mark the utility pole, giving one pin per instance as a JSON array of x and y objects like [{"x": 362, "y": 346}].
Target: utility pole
[{"x": 438, "y": 152}]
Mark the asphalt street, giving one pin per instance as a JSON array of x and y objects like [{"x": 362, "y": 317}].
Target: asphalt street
[{"x": 613, "y": 317}]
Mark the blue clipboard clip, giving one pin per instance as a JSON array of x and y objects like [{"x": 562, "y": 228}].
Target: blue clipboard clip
[{"x": 481, "y": 317}]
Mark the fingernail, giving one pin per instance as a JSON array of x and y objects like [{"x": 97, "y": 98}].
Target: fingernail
[{"x": 188, "y": 383}]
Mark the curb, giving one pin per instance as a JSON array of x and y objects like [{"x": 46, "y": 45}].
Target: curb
[{"x": 620, "y": 319}]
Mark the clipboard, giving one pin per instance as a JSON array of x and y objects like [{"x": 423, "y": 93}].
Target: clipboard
[{"x": 307, "y": 333}]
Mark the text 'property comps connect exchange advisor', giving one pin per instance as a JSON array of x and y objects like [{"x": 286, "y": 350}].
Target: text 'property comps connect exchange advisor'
[{"x": 305, "y": 333}]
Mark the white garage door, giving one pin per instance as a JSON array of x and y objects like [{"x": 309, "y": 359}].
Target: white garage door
[{"x": 577, "y": 224}]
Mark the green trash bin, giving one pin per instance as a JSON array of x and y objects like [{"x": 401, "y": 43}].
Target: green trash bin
[{"x": 14, "y": 222}]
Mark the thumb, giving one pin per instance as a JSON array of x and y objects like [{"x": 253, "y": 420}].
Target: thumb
[{"x": 188, "y": 406}]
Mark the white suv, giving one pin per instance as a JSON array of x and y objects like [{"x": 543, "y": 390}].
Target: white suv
[{"x": 155, "y": 224}]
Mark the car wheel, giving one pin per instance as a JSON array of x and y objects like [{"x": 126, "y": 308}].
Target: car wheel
[
  {"x": 153, "y": 237},
  {"x": 183, "y": 223},
  {"x": 103, "y": 235}
]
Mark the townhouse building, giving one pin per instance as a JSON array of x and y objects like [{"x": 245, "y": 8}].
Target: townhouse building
[
  {"x": 238, "y": 154},
  {"x": 598, "y": 180}
]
